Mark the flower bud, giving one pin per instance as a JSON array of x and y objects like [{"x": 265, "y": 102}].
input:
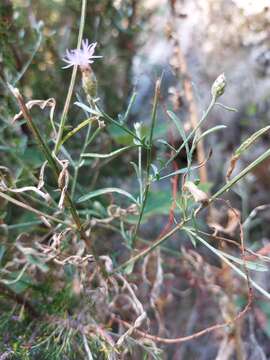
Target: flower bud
[
  {"x": 138, "y": 131},
  {"x": 89, "y": 83},
  {"x": 218, "y": 86}
]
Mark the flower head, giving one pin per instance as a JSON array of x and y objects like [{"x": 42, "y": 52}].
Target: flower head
[{"x": 81, "y": 57}]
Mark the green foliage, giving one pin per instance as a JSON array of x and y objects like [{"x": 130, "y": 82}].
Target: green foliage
[{"x": 66, "y": 197}]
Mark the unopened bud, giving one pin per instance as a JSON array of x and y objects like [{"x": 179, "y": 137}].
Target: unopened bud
[
  {"x": 138, "y": 131},
  {"x": 101, "y": 124},
  {"x": 89, "y": 83},
  {"x": 218, "y": 86}
]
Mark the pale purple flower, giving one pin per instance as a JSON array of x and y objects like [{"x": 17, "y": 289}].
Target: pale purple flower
[{"x": 81, "y": 57}]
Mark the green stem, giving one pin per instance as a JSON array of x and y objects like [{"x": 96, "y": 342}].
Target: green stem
[
  {"x": 116, "y": 123},
  {"x": 205, "y": 115},
  {"x": 149, "y": 159},
  {"x": 150, "y": 248},
  {"x": 72, "y": 82},
  {"x": 140, "y": 173},
  {"x": 77, "y": 167}
]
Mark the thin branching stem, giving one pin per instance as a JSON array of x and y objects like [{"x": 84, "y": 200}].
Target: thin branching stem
[
  {"x": 179, "y": 226},
  {"x": 193, "y": 132},
  {"x": 119, "y": 125},
  {"x": 150, "y": 248},
  {"x": 149, "y": 159},
  {"x": 72, "y": 82}
]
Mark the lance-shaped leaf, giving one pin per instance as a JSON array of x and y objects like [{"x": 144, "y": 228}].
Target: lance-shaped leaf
[
  {"x": 109, "y": 190},
  {"x": 243, "y": 147}
]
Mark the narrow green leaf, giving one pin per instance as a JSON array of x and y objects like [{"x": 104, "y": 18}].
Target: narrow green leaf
[
  {"x": 131, "y": 102},
  {"x": 162, "y": 141},
  {"x": 252, "y": 265},
  {"x": 129, "y": 268},
  {"x": 228, "y": 262},
  {"x": 238, "y": 177},
  {"x": 109, "y": 190},
  {"x": 86, "y": 108},
  {"x": 177, "y": 172},
  {"x": 192, "y": 239},
  {"x": 2, "y": 252},
  {"x": 226, "y": 107},
  {"x": 249, "y": 141},
  {"x": 37, "y": 262},
  {"x": 76, "y": 129},
  {"x": 209, "y": 131},
  {"x": 111, "y": 154},
  {"x": 180, "y": 129},
  {"x": 135, "y": 166}
]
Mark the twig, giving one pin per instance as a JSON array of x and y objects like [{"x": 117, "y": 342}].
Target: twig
[{"x": 184, "y": 338}]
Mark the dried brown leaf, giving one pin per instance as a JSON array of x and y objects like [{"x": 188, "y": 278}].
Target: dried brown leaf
[{"x": 198, "y": 195}]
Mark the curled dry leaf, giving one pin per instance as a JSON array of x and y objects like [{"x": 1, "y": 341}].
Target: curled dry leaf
[
  {"x": 45, "y": 222},
  {"x": 108, "y": 264},
  {"x": 63, "y": 181},
  {"x": 233, "y": 221},
  {"x": 44, "y": 195},
  {"x": 41, "y": 175},
  {"x": 152, "y": 273},
  {"x": 198, "y": 195},
  {"x": 135, "y": 301},
  {"x": 41, "y": 103},
  {"x": 51, "y": 103},
  {"x": 232, "y": 165},
  {"x": 138, "y": 322}
]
